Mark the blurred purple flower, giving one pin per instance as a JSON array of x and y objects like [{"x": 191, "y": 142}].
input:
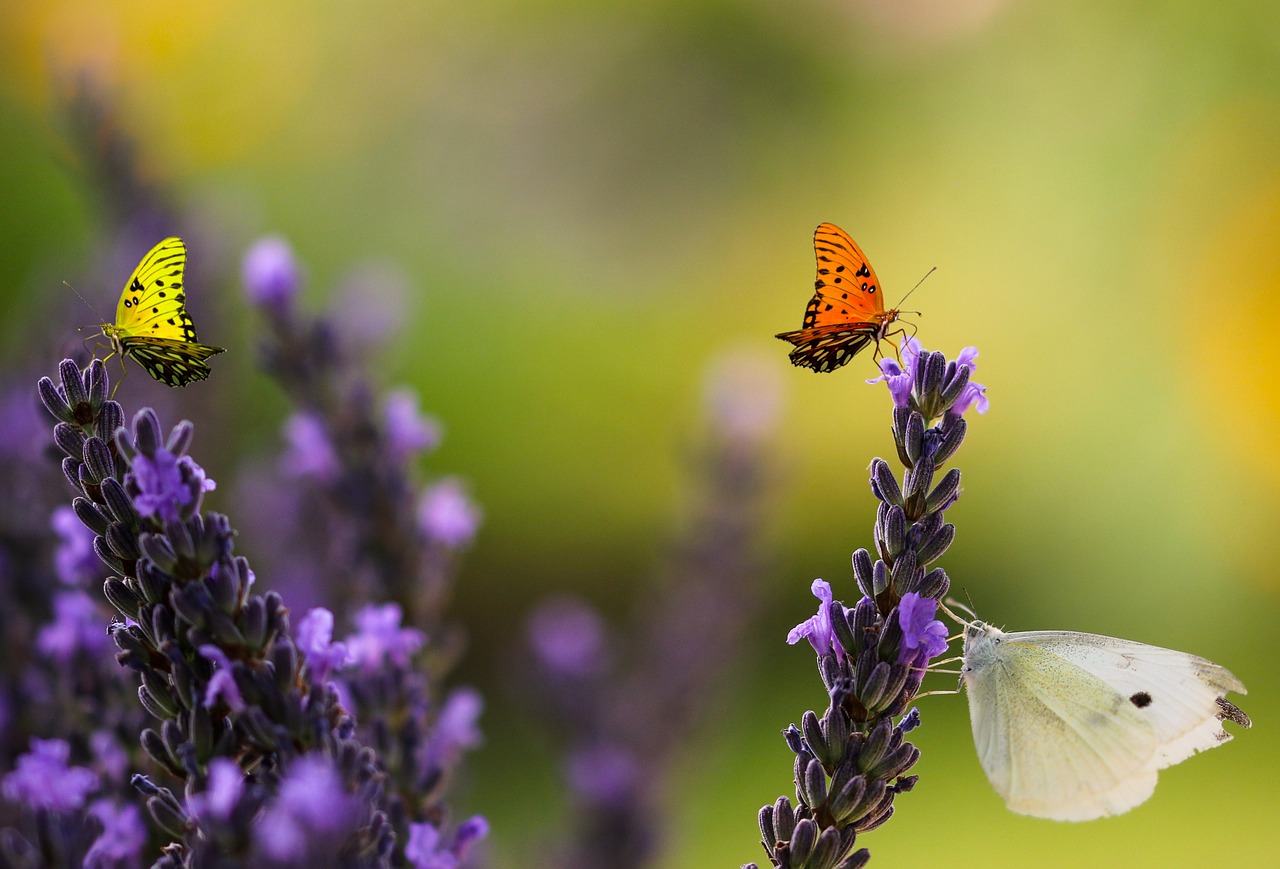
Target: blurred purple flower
[
  {"x": 604, "y": 775},
  {"x": 76, "y": 563},
  {"x": 311, "y": 813},
  {"x": 379, "y": 637},
  {"x": 162, "y": 489},
  {"x": 923, "y": 636},
  {"x": 122, "y": 837},
  {"x": 77, "y": 626},
  {"x": 425, "y": 849},
  {"x": 226, "y": 783},
  {"x": 743, "y": 392},
  {"x": 314, "y": 636},
  {"x": 110, "y": 755},
  {"x": 42, "y": 779},
  {"x": 271, "y": 277},
  {"x": 818, "y": 629},
  {"x": 457, "y": 726},
  {"x": 567, "y": 635},
  {"x": 408, "y": 431},
  {"x": 308, "y": 450},
  {"x": 222, "y": 683},
  {"x": 898, "y": 380},
  {"x": 446, "y": 515}
]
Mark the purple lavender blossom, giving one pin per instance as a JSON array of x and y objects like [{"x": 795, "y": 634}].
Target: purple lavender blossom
[
  {"x": 162, "y": 489},
  {"x": 222, "y": 684},
  {"x": 309, "y": 452},
  {"x": 380, "y": 638},
  {"x": 974, "y": 394},
  {"x": 426, "y": 848},
  {"x": 271, "y": 277},
  {"x": 314, "y": 636},
  {"x": 74, "y": 559},
  {"x": 899, "y": 380},
  {"x": 818, "y": 629},
  {"x": 408, "y": 431},
  {"x": 568, "y": 636},
  {"x": 122, "y": 838},
  {"x": 226, "y": 784},
  {"x": 311, "y": 813},
  {"x": 446, "y": 515},
  {"x": 109, "y": 754},
  {"x": 42, "y": 779},
  {"x": 76, "y": 627},
  {"x": 457, "y": 726},
  {"x": 923, "y": 636}
]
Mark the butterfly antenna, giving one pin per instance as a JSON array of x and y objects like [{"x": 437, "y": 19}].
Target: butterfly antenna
[
  {"x": 913, "y": 289},
  {"x": 946, "y": 609},
  {"x": 91, "y": 308}
]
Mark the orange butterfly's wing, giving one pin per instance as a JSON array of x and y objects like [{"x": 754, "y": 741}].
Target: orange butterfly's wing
[{"x": 846, "y": 312}]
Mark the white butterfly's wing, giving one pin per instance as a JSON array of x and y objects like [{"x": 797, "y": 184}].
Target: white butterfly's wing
[
  {"x": 1180, "y": 695},
  {"x": 1055, "y": 740}
]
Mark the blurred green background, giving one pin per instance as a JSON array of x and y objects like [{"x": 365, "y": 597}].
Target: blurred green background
[{"x": 592, "y": 203}]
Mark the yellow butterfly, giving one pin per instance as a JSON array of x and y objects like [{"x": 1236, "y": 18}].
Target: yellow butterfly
[{"x": 152, "y": 324}]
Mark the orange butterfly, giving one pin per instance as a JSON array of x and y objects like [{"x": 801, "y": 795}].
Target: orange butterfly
[{"x": 846, "y": 312}]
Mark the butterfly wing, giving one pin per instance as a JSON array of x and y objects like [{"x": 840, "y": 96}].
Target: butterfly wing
[
  {"x": 847, "y": 309},
  {"x": 1073, "y": 726},
  {"x": 152, "y": 324},
  {"x": 172, "y": 362}
]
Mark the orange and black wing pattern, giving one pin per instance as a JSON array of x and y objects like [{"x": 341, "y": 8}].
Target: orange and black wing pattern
[{"x": 846, "y": 312}]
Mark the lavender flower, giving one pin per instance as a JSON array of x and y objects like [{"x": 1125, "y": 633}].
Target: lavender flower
[
  {"x": 76, "y": 629},
  {"x": 568, "y": 637},
  {"x": 310, "y": 453},
  {"x": 853, "y": 761},
  {"x": 271, "y": 277},
  {"x": 427, "y": 848},
  {"x": 122, "y": 838},
  {"x": 167, "y": 486},
  {"x": 408, "y": 431},
  {"x": 312, "y": 814},
  {"x": 76, "y": 563},
  {"x": 315, "y": 640},
  {"x": 379, "y": 638},
  {"x": 42, "y": 778},
  {"x": 447, "y": 516}
]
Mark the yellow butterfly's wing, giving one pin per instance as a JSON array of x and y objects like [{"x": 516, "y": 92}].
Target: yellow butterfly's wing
[
  {"x": 152, "y": 324},
  {"x": 153, "y": 301}
]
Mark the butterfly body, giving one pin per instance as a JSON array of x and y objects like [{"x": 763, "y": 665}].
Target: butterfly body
[
  {"x": 847, "y": 310},
  {"x": 152, "y": 325},
  {"x": 1072, "y": 726}
]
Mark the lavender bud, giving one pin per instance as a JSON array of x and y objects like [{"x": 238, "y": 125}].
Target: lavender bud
[
  {"x": 802, "y": 840},
  {"x": 841, "y": 628},
  {"x": 157, "y": 549},
  {"x": 913, "y": 439},
  {"x": 846, "y": 802},
  {"x": 110, "y": 421},
  {"x": 153, "y": 582},
  {"x": 931, "y": 372},
  {"x": 957, "y": 378},
  {"x": 784, "y": 819},
  {"x": 815, "y": 739},
  {"x": 118, "y": 502},
  {"x": 890, "y": 637},
  {"x": 122, "y": 598},
  {"x": 901, "y": 419},
  {"x": 946, "y": 492},
  {"x": 69, "y": 439},
  {"x": 826, "y": 849},
  {"x": 935, "y": 584},
  {"x": 864, "y": 620},
  {"x": 284, "y": 657},
  {"x": 180, "y": 438},
  {"x": 904, "y": 577},
  {"x": 108, "y": 557},
  {"x": 97, "y": 457},
  {"x": 180, "y": 539},
  {"x": 155, "y": 747},
  {"x": 873, "y": 750},
  {"x": 894, "y": 533},
  {"x": 71, "y": 470},
  {"x": 954, "y": 428},
  {"x": 254, "y": 619},
  {"x": 794, "y": 739},
  {"x": 768, "y": 832},
  {"x": 871, "y": 692},
  {"x": 883, "y": 483},
  {"x": 172, "y": 822},
  {"x": 146, "y": 432},
  {"x": 122, "y": 542},
  {"x": 936, "y": 545},
  {"x": 862, "y": 572},
  {"x": 89, "y": 515},
  {"x": 879, "y": 578},
  {"x": 155, "y": 707},
  {"x": 53, "y": 401},
  {"x": 200, "y": 726},
  {"x": 73, "y": 387},
  {"x": 96, "y": 381}
]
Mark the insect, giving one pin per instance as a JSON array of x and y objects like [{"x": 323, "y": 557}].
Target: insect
[
  {"x": 152, "y": 325},
  {"x": 847, "y": 310},
  {"x": 1073, "y": 726}
]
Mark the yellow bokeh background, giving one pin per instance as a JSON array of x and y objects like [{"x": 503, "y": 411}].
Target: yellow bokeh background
[{"x": 591, "y": 203}]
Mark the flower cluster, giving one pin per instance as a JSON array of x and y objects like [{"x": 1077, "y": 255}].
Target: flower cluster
[
  {"x": 217, "y": 668},
  {"x": 852, "y": 761}
]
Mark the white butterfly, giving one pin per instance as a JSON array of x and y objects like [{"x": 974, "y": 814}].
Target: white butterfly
[{"x": 1073, "y": 726}]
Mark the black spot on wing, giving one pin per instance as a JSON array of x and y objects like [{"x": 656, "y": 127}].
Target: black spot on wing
[{"x": 1142, "y": 699}]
